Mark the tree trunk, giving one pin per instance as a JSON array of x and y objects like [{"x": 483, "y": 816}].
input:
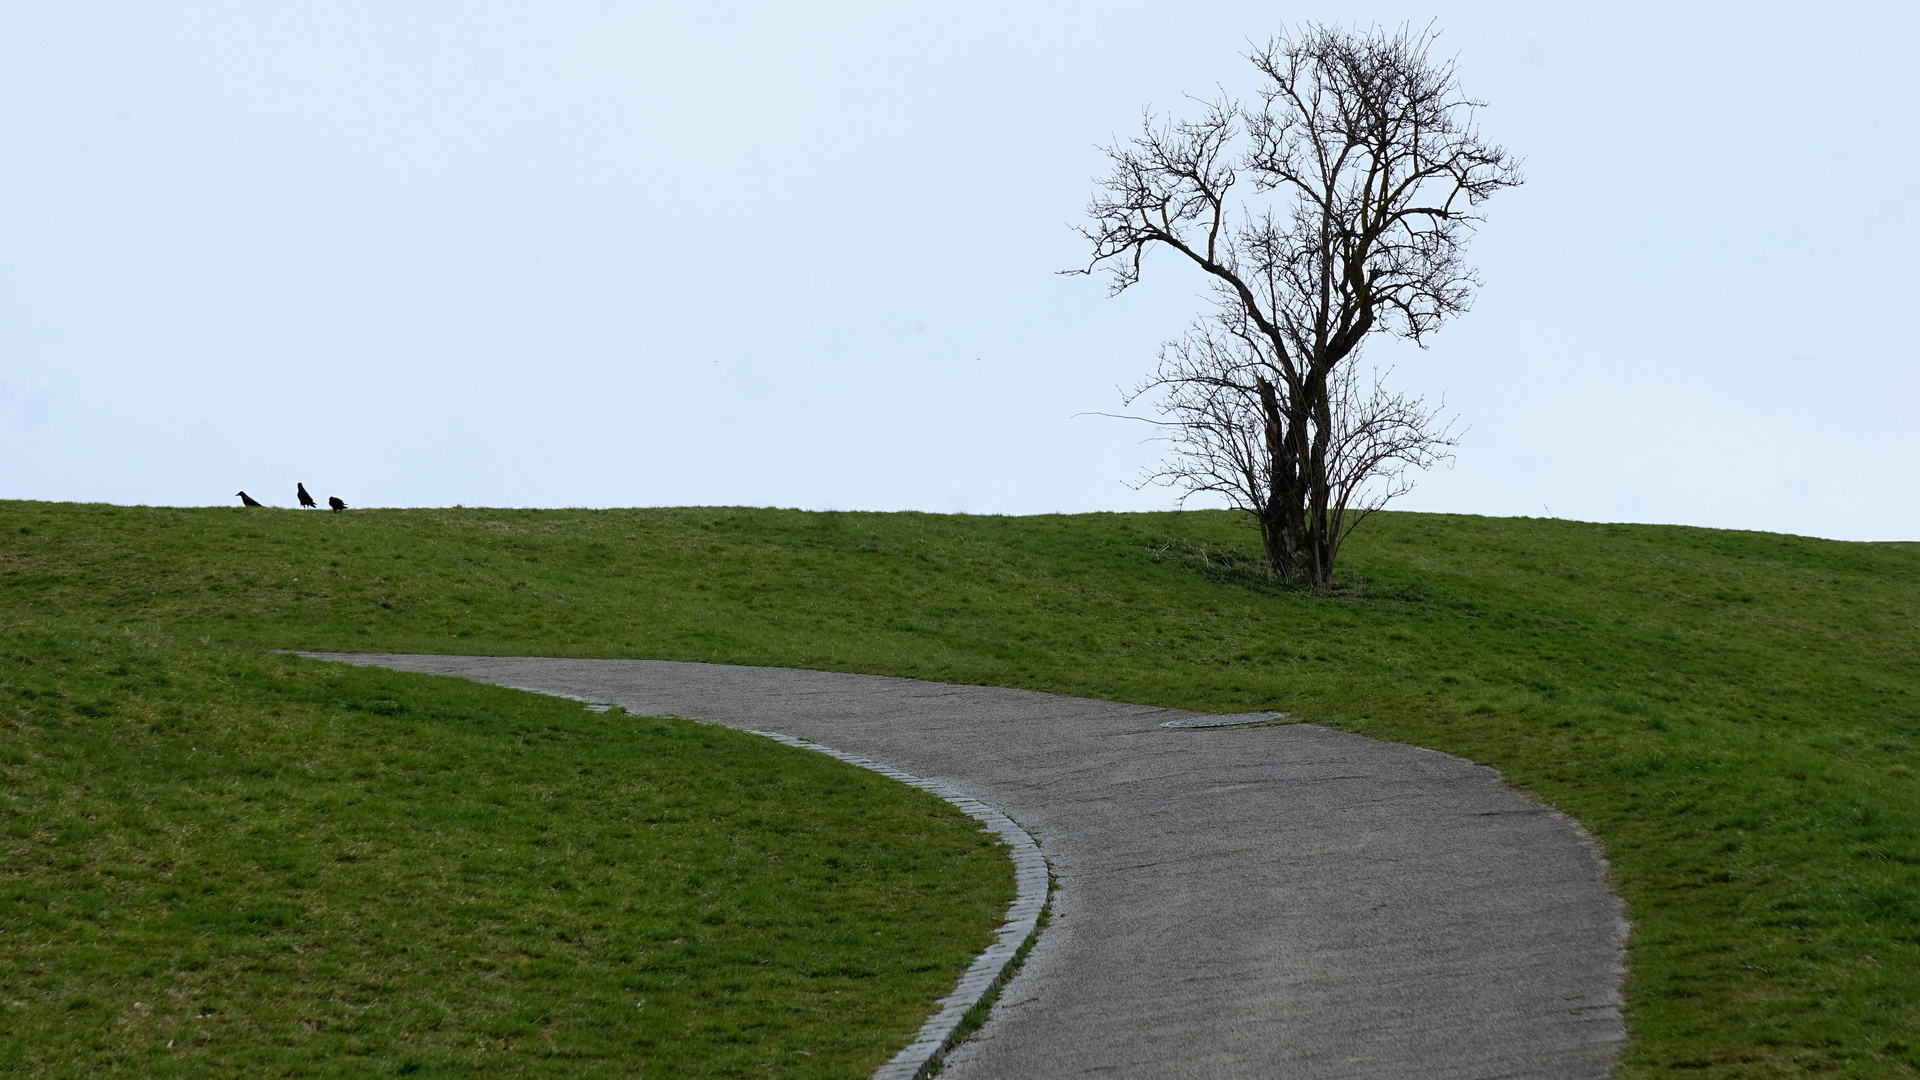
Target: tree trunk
[
  {"x": 1282, "y": 516},
  {"x": 1319, "y": 528},
  {"x": 1296, "y": 526}
]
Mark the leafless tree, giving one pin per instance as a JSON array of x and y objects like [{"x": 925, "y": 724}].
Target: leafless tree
[{"x": 1334, "y": 209}]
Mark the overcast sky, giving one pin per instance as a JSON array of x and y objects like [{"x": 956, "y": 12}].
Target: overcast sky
[{"x": 805, "y": 255}]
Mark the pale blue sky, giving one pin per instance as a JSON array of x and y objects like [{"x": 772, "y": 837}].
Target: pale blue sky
[{"x": 611, "y": 255}]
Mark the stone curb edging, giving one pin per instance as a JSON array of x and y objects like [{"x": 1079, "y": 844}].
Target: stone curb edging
[{"x": 991, "y": 968}]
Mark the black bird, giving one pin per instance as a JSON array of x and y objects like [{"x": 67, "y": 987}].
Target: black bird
[
  {"x": 337, "y": 503},
  {"x": 246, "y": 499},
  {"x": 301, "y": 491}
]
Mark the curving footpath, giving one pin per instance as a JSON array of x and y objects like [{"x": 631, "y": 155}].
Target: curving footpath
[{"x": 1280, "y": 901}]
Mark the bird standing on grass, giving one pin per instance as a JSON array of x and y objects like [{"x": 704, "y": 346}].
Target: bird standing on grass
[
  {"x": 246, "y": 499},
  {"x": 337, "y": 503},
  {"x": 301, "y": 490}
]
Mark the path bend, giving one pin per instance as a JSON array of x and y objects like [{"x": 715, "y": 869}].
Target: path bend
[{"x": 1288, "y": 901}]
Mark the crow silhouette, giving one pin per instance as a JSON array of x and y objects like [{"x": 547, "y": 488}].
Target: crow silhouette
[
  {"x": 337, "y": 503},
  {"x": 301, "y": 491},
  {"x": 246, "y": 499}
]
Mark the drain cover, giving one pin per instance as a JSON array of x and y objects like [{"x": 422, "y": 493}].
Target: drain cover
[{"x": 1245, "y": 719}]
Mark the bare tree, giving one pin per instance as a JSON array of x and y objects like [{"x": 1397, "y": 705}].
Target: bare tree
[{"x": 1363, "y": 171}]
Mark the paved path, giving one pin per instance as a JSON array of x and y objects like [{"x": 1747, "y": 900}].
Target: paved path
[{"x": 1287, "y": 901}]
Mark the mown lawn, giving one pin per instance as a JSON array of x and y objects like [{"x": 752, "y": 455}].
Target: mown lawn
[
  {"x": 219, "y": 861},
  {"x": 1734, "y": 715}
]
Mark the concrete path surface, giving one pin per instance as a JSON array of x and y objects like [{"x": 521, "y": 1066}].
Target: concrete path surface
[{"x": 1287, "y": 901}]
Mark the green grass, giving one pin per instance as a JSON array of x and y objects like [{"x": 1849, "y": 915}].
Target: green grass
[
  {"x": 1734, "y": 715},
  {"x": 221, "y": 861}
]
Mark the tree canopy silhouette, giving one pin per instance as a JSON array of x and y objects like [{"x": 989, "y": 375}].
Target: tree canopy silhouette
[{"x": 1333, "y": 209}]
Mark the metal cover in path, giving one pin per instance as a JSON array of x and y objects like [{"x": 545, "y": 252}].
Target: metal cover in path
[{"x": 1245, "y": 719}]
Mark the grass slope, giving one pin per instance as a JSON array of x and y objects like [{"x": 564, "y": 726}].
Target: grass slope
[
  {"x": 215, "y": 860},
  {"x": 1734, "y": 715}
]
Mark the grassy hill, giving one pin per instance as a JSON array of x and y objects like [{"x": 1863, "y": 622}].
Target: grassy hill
[
  {"x": 1734, "y": 715},
  {"x": 215, "y": 860}
]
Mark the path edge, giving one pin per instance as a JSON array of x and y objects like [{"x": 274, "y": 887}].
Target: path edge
[
  {"x": 991, "y": 969},
  {"x": 997, "y": 963}
]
